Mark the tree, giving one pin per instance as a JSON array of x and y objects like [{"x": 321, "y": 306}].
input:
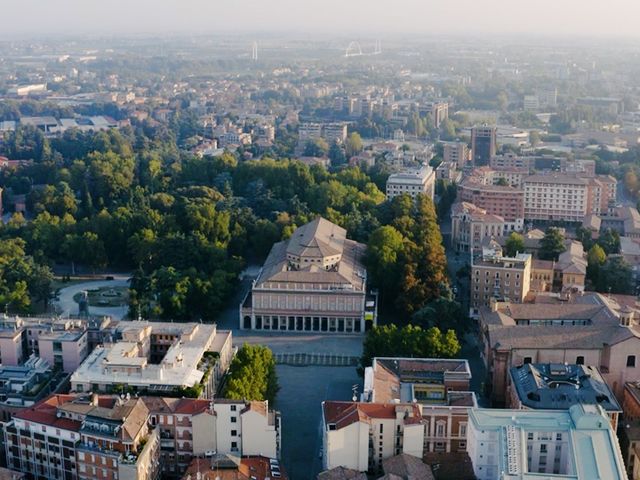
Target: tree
[
  {"x": 316, "y": 148},
  {"x": 514, "y": 244},
  {"x": 615, "y": 276},
  {"x": 353, "y": 144},
  {"x": 502, "y": 182},
  {"x": 610, "y": 241},
  {"x": 595, "y": 259},
  {"x": 383, "y": 258},
  {"x": 444, "y": 313},
  {"x": 408, "y": 341},
  {"x": 552, "y": 244},
  {"x": 336, "y": 154},
  {"x": 252, "y": 375}
]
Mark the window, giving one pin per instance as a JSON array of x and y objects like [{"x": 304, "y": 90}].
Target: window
[
  {"x": 234, "y": 445},
  {"x": 381, "y": 428},
  {"x": 631, "y": 361},
  {"x": 234, "y": 433},
  {"x": 526, "y": 360},
  {"x": 579, "y": 360},
  {"x": 233, "y": 419}
]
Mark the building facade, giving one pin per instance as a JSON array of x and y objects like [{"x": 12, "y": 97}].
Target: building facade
[
  {"x": 412, "y": 182},
  {"x": 483, "y": 144},
  {"x": 315, "y": 281}
]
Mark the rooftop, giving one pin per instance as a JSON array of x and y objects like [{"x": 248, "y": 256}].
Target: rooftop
[
  {"x": 558, "y": 386},
  {"x": 593, "y": 454},
  {"x": 125, "y": 362}
]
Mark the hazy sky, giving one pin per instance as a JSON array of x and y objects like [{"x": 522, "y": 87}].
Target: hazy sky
[{"x": 563, "y": 17}]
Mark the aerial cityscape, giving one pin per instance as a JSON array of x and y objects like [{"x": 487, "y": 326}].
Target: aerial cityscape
[{"x": 254, "y": 242}]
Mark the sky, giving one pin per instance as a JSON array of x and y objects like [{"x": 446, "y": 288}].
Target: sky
[{"x": 585, "y": 18}]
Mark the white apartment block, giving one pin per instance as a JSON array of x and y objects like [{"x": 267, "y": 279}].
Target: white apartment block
[
  {"x": 412, "y": 182},
  {"x": 555, "y": 197},
  {"x": 577, "y": 444},
  {"x": 567, "y": 197}
]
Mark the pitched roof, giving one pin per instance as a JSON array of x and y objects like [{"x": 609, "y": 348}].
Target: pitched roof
[
  {"x": 343, "y": 414},
  {"x": 407, "y": 467}
]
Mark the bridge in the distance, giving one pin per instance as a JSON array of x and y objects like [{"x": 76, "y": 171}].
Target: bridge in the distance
[{"x": 355, "y": 50}]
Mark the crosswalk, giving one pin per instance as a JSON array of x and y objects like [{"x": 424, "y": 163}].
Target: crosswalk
[{"x": 316, "y": 359}]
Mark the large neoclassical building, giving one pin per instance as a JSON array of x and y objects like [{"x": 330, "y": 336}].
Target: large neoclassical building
[{"x": 314, "y": 282}]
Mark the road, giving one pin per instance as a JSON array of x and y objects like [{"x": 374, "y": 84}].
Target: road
[{"x": 66, "y": 305}]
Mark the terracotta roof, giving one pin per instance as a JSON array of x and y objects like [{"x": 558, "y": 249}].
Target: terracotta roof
[
  {"x": 407, "y": 467},
  {"x": 257, "y": 406},
  {"x": 343, "y": 414},
  {"x": 341, "y": 473},
  {"x": 45, "y": 411}
]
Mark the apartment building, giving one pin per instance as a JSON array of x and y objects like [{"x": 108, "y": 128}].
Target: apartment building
[
  {"x": 70, "y": 437},
  {"x": 457, "y": 153},
  {"x": 512, "y": 176},
  {"x": 440, "y": 387},
  {"x": 551, "y": 386},
  {"x": 567, "y": 197},
  {"x": 157, "y": 356},
  {"x": 24, "y": 385},
  {"x": 472, "y": 227},
  {"x": 629, "y": 434},
  {"x": 190, "y": 428},
  {"x": 408, "y": 406},
  {"x": 110, "y": 437},
  {"x": 61, "y": 342},
  {"x": 360, "y": 435},
  {"x": 578, "y": 443},
  {"x": 331, "y": 132},
  {"x": 496, "y": 277},
  {"x": 587, "y": 328},
  {"x": 412, "y": 182},
  {"x": 502, "y": 200},
  {"x": 314, "y": 281},
  {"x": 483, "y": 144}
]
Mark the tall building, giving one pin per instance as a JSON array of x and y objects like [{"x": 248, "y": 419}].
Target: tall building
[
  {"x": 457, "y": 153},
  {"x": 578, "y": 443},
  {"x": 314, "y": 281},
  {"x": 412, "y": 182},
  {"x": 483, "y": 144}
]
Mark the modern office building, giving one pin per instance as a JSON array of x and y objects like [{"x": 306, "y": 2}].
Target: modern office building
[
  {"x": 157, "y": 357},
  {"x": 314, "y": 281},
  {"x": 412, "y": 182},
  {"x": 483, "y": 144},
  {"x": 574, "y": 444}
]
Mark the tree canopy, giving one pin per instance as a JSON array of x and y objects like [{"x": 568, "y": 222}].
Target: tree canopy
[{"x": 252, "y": 375}]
